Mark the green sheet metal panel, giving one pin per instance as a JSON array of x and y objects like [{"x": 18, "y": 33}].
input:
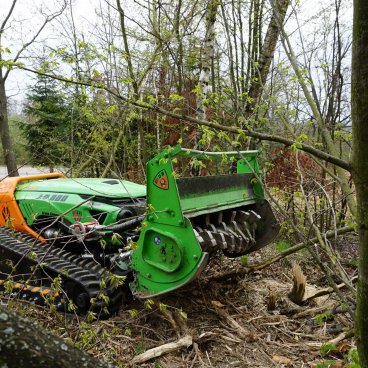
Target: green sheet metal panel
[
  {"x": 110, "y": 188},
  {"x": 168, "y": 254}
]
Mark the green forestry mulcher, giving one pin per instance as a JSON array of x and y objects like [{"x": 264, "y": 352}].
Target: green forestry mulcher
[{"x": 88, "y": 233}]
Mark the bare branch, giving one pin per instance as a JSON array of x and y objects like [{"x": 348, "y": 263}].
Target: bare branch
[
  {"x": 287, "y": 252},
  {"x": 7, "y": 17},
  {"x": 231, "y": 129},
  {"x": 47, "y": 20}
]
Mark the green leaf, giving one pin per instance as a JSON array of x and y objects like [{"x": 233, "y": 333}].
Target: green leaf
[
  {"x": 71, "y": 306},
  {"x": 174, "y": 97},
  {"x": 282, "y": 246},
  {"x": 91, "y": 316},
  {"x": 183, "y": 314},
  {"x": 244, "y": 261},
  {"x": 148, "y": 304},
  {"x": 327, "y": 348}
]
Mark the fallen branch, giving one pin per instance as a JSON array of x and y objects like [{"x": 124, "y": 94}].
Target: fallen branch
[
  {"x": 240, "y": 331},
  {"x": 168, "y": 315},
  {"x": 311, "y": 311},
  {"x": 329, "y": 309},
  {"x": 344, "y": 335},
  {"x": 184, "y": 342},
  {"x": 328, "y": 290},
  {"x": 247, "y": 270},
  {"x": 177, "y": 322}
]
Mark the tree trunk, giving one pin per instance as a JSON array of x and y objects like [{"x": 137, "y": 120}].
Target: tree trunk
[
  {"x": 359, "y": 97},
  {"x": 313, "y": 104},
  {"x": 179, "y": 40},
  {"x": 8, "y": 152},
  {"x": 26, "y": 344},
  {"x": 231, "y": 57},
  {"x": 266, "y": 54},
  {"x": 208, "y": 52},
  {"x": 133, "y": 77}
]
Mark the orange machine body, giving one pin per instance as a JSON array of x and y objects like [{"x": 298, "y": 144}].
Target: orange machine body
[{"x": 10, "y": 214}]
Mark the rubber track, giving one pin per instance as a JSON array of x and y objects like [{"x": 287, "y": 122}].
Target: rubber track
[{"x": 77, "y": 278}]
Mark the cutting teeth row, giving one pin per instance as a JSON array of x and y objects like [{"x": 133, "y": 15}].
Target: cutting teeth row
[{"x": 231, "y": 231}]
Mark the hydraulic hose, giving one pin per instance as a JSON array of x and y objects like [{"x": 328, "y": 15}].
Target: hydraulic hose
[{"x": 126, "y": 225}]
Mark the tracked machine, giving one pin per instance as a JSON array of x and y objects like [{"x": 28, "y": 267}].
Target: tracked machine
[{"x": 73, "y": 241}]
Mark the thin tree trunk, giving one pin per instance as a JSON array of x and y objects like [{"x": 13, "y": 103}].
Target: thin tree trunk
[
  {"x": 113, "y": 152},
  {"x": 255, "y": 44},
  {"x": 179, "y": 56},
  {"x": 331, "y": 148},
  {"x": 359, "y": 97},
  {"x": 133, "y": 78},
  {"x": 208, "y": 51},
  {"x": 232, "y": 68},
  {"x": 236, "y": 47},
  {"x": 8, "y": 151},
  {"x": 242, "y": 49},
  {"x": 266, "y": 54},
  {"x": 249, "y": 47}
]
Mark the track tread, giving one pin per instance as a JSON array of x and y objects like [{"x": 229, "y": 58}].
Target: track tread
[{"x": 86, "y": 276}]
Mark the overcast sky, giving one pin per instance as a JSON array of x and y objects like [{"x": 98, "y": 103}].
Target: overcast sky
[
  {"x": 21, "y": 27},
  {"x": 26, "y": 20}
]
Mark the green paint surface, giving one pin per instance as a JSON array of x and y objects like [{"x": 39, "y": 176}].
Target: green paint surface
[
  {"x": 94, "y": 187},
  {"x": 168, "y": 254}
]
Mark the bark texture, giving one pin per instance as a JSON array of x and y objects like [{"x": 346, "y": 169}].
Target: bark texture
[
  {"x": 267, "y": 53},
  {"x": 8, "y": 151},
  {"x": 25, "y": 344},
  {"x": 207, "y": 55},
  {"x": 359, "y": 98}
]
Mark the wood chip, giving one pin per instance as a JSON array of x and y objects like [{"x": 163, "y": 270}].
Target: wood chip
[
  {"x": 281, "y": 360},
  {"x": 217, "y": 304}
]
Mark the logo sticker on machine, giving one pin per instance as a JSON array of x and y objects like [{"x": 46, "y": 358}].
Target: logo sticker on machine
[
  {"x": 77, "y": 216},
  {"x": 161, "y": 181},
  {"x": 157, "y": 240}
]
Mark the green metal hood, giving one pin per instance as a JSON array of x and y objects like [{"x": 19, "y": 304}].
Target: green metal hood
[{"x": 111, "y": 188}]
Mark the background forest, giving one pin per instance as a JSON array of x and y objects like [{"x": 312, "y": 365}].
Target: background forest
[
  {"x": 107, "y": 90},
  {"x": 219, "y": 62}
]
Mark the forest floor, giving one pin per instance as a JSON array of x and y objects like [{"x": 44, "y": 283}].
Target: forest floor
[{"x": 229, "y": 321}]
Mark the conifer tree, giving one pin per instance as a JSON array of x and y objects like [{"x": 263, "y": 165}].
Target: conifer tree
[{"x": 46, "y": 130}]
